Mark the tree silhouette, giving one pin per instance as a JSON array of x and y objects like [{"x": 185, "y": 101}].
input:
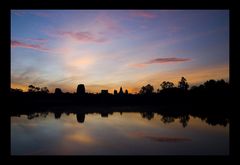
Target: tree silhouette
[
  {"x": 148, "y": 89},
  {"x": 16, "y": 90},
  {"x": 147, "y": 115},
  {"x": 115, "y": 92},
  {"x": 58, "y": 91},
  {"x": 126, "y": 92},
  {"x": 32, "y": 88},
  {"x": 37, "y": 89},
  {"x": 166, "y": 85},
  {"x": 167, "y": 119},
  {"x": 184, "y": 120},
  {"x": 182, "y": 84},
  {"x": 44, "y": 90}
]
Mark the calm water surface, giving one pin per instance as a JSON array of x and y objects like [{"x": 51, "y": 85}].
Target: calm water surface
[{"x": 127, "y": 133}]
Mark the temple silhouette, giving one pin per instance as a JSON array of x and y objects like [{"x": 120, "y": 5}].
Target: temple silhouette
[{"x": 211, "y": 92}]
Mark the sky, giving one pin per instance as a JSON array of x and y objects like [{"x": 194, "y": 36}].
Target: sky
[{"x": 107, "y": 49}]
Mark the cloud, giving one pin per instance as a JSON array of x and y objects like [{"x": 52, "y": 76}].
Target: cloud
[
  {"x": 109, "y": 24},
  {"x": 27, "y": 77},
  {"x": 80, "y": 138},
  {"x": 143, "y": 14},
  {"x": 82, "y": 36},
  {"x": 15, "y": 43},
  {"x": 167, "y": 60},
  {"x": 160, "y": 61},
  {"x": 39, "y": 40},
  {"x": 158, "y": 138},
  {"x": 167, "y": 139}
]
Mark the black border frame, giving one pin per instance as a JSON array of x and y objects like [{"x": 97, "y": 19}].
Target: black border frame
[{"x": 5, "y": 63}]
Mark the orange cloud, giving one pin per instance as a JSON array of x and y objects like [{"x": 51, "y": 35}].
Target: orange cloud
[{"x": 19, "y": 86}]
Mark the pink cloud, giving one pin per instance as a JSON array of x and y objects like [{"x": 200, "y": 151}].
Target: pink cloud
[
  {"x": 82, "y": 36},
  {"x": 160, "y": 61},
  {"x": 40, "y": 40},
  {"x": 109, "y": 23},
  {"x": 144, "y": 14},
  {"x": 15, "y": 43},
  {"x": 167, "y": 60}
]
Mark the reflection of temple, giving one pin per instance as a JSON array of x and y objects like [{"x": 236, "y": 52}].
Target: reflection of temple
[
  {"x": 104, "y": 114},
  {"x": 167, "y": 117},
  {"x": 80, "y": 117}
]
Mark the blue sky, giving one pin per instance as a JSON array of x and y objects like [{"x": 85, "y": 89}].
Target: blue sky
[{"x": 106, "y": 49}]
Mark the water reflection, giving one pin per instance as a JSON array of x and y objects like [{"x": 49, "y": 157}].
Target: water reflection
[
  {"x": 167, "y": 117},
  {"x": 80, "y": 117},
  {"x": 118, "y": 131}
]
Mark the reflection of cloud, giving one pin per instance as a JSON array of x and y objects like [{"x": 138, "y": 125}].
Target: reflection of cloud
[
  {"x": 161, "y": 60},
  {"x": 158, "y": 138},
  {"x": 79, "y": 138},
  {"x": 167, "y": 139},
  {"x": 15, "y": 43}
]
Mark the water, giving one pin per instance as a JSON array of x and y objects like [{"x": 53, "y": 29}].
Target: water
[{"x": 117, "y": 133}]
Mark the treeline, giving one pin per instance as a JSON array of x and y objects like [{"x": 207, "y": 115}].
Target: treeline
[
  {"x": 166, "y": 87},
  {"x": 212, "y": 92}
]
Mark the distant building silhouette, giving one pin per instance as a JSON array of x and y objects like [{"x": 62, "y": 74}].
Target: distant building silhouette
[
  {"x": 126, "y": 92},
  {"x": 58, "y": 91},
  {"x": 120, "y": 91},
  {"x": 104, "y": 92},
  {"x": 115, "y": 92},
  {"x": 81, "y": 89}
]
